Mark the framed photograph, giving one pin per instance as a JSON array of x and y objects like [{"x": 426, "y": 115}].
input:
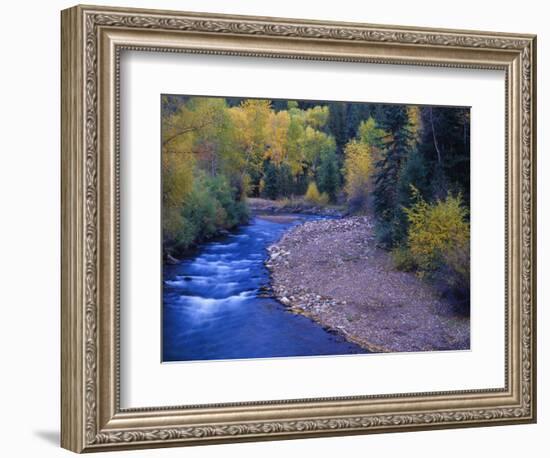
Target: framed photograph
[{"x": 278, "y": 228}]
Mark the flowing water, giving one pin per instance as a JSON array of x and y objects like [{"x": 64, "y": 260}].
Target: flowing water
[{"x": 214, "y": 304}]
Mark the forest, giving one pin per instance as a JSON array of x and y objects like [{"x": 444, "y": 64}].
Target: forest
[{"x": 407, "y": 166}]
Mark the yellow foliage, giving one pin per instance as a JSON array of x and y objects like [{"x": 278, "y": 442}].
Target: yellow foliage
[
  {"x": 317, "y": 116},
  {"x": 278, "y": 137},
  {"x": 415, "y": 124},
  {"x": 177, "y": 176},
  {"x": 250, "y": 126},
  {"x": 436, "y": 231},
  {"x": 357, "y": 165},
  {"x": 357, "y": 168},
  {"x": 314, "y": 196}
]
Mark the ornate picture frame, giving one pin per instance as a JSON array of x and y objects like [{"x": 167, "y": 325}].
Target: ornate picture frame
[{"x": 92, "y": 41}]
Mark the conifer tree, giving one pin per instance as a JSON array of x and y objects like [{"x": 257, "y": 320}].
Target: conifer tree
[
  {"x": 395, "y": 122},
  {"x": 328, "y": 177},
  {"x": 271, "y": 188}
]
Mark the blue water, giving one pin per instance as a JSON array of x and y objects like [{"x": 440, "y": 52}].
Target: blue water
[{"x": 212, "y": 307}]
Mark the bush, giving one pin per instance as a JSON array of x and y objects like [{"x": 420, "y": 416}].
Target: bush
[
  {"x": 231, "y": 210},
  {"x": 212, "y": 205},
  {"x": 453, "y": 275},
  {"x": 403, "y": 259},
  {"x": 383, "y": 234},
  {"x": 313, "y": 195},
  {"x": 436, "y": 231},
  {"x": 439, "y": 243},
  {"x": 391, "y": 233}
]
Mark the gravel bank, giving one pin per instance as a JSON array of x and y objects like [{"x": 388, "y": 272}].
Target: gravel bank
[
  {"x": 332, "y": 272},
  {"x": 297, "y": 206}
]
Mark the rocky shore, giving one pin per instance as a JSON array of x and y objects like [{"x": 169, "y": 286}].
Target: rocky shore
[{"x": 332, "y": 272}]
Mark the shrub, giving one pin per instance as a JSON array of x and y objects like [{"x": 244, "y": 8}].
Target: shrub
[
  {"x": 284, "y": 201},
  {"x": 231, "y": 209},
  {"x": 403, "y": 259},
  {"x": 383, "y": 234},
  {"x": 325, "y": 199},
  {"x": 436, "y": 231},
  {"x": 392, "y": 232},
  {"x": 455, "y": 270},
  {"x": 211, "y": 205},
  {"x": 313, "y": 195}
]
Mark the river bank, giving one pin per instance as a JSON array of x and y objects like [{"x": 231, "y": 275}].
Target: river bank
[
  {"x": 282, "y": 211},
  {"x": 294, "y": 206},
  {"x": 332, "y": 272}
]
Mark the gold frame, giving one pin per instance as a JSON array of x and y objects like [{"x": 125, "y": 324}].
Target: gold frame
[{"x": 92, "y": 39}]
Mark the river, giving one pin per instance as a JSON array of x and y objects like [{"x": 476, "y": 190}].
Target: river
[{"x": 215, "y": 306}]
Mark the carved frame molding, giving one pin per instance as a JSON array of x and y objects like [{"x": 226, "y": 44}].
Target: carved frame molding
[{"x": 92, "y": 39}]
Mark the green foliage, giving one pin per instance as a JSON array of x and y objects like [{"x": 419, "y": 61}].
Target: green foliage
[
  {"x": 313, "y": 196},
  {"x": 344, "y": 120},
  {"x": 231, "y": 209},
  {"x": 337, "y": 125},
  {"x": 270, "y": 182},
  {"x": 210, "y": 206},
  {"x": 445, "y": 144},
  {"x": 369, "y": 133},
  {"x": 317, "y": 116},
  {"x": 390, "y": 219},
  {"x": 315, "y": 145},
  {"x": 277, "y": 181},
  {"x": 328, "y": 177},
  {"x": 403, "y": 259},
  {"x": 414, "y": 174},
  {"x": 285, "y": 182}
]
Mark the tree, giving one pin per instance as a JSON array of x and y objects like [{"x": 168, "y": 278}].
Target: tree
[
  {"x": 202, "y": 172},
  {"x": 391, "y": 221},
  {"x": 250, "y": 121},
  {"x": 295, "y": 136},
  {"x": 415, "y": 174},
  {"x": 315, "y": 145},
  {"x": 314, "y": 196},
  {"x": 445, "y": 144},
  {"x": 370, "y": 134},
  {"x": 277, "y": 137},
  {"x": 270, "y": 181},
  {"x": 328, "y": 178},
  {"x": 336, "y": 125},
  {"x": 317, "y": 116},
  {"x": 285, "y": 179},
  {"x": 357, "y": 171}
]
